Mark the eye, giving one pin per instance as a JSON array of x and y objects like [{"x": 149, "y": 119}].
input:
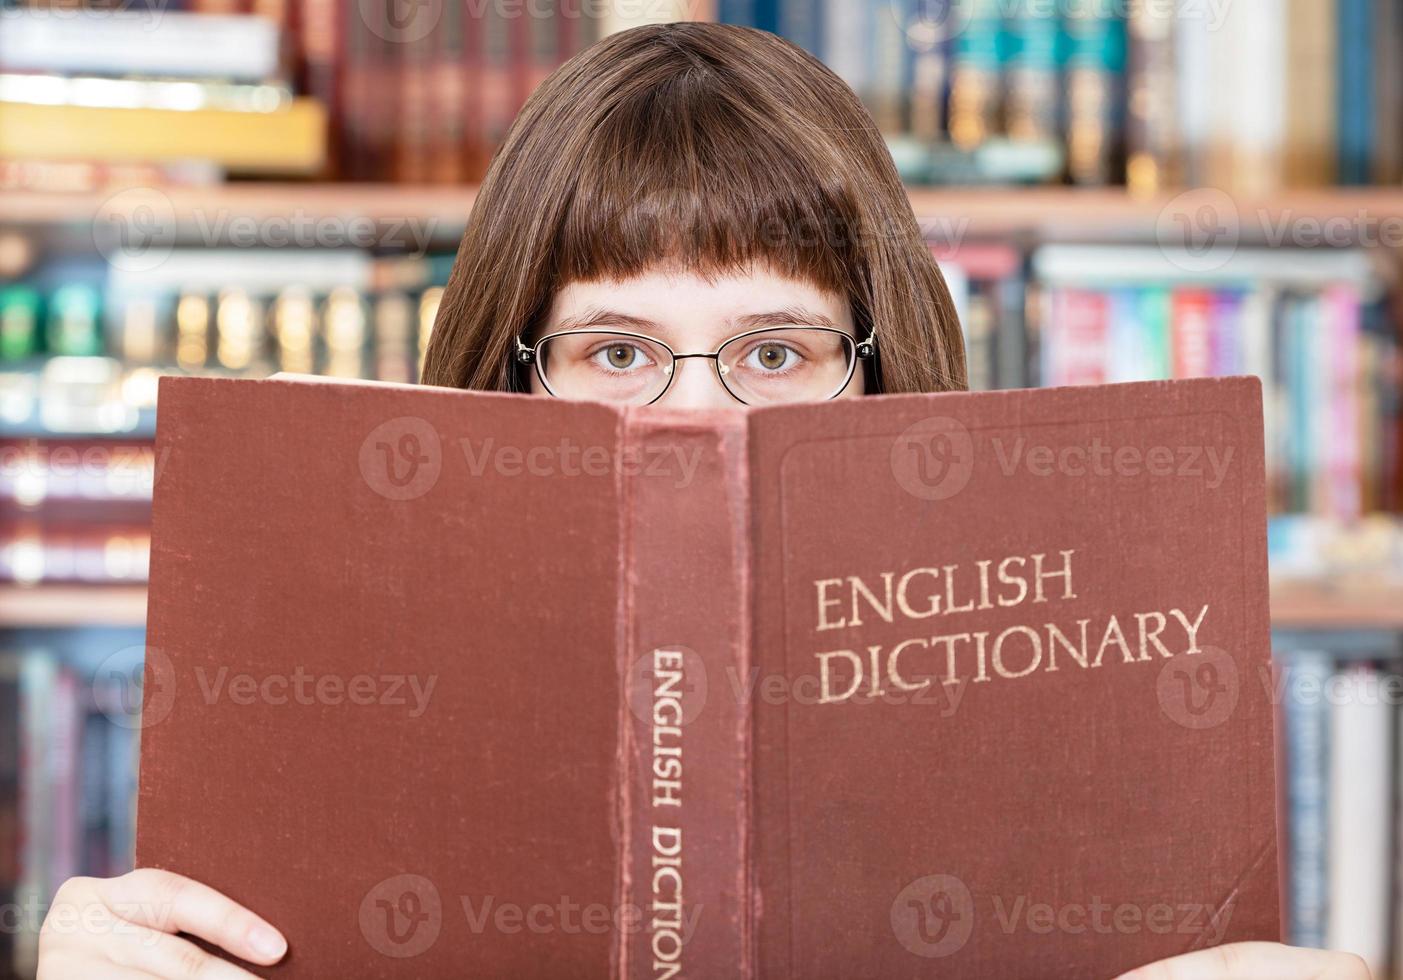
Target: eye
[
  {"x": 621, "y": 356},
  {"x": 771, "y": 355}
]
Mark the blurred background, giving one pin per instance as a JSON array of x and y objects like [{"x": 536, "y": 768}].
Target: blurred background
[{"x": 1115, "y": 189}]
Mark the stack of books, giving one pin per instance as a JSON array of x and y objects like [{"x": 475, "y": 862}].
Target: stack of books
[{"x": 91, "y": 98}]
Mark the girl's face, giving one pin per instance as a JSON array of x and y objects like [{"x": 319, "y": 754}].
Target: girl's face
[{"x": 691, "y": 315}]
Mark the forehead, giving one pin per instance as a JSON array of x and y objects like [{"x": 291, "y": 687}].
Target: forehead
[{"x": 687, "y": 306}]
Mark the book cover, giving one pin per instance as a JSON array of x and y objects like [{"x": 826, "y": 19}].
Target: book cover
[{"x": 482, "y": 682}]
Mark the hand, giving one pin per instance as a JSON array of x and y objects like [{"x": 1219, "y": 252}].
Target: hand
[
  {"x": 1255, "y": 961},
  {"x": 125, "y": 928}
]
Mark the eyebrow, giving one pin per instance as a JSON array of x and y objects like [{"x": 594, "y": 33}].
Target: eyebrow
[{"x": 596, "y": 317}]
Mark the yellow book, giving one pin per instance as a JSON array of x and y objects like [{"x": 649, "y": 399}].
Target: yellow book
[{"x": 291, "y": 140}]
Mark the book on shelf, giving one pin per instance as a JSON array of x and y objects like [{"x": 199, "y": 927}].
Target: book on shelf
[
  {"x": 1249, "y": 98},
  {"x": 705, "y": 666},
  {"x": 68, "y": 747}
]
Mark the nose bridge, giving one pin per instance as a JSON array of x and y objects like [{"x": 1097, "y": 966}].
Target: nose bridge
[{"x": 695, "y": 385}]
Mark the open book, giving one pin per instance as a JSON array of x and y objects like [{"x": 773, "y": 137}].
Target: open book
[{"x": 452, "y": 684}]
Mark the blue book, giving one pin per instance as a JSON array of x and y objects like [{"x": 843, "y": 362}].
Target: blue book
[
  {"x": 1355, "y": 91},
  {"x": 1306, "y": 715},
  {"x": 740, "y": 12}
]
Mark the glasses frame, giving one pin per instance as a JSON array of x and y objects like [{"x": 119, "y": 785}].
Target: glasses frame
[{"x": 863, "y": 350}]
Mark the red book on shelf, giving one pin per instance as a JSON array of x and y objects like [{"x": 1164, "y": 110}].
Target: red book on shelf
[
  {"x": 448, "y": 683},
  {"x": 1191, "y": 327}
]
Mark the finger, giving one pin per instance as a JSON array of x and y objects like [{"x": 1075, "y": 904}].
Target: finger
[
  {"x": 170, "y": 903},
  {"x": 73, "y": 967},
  {"x": 1255, "y": 961},
  {"x": 168, "y": 957}
]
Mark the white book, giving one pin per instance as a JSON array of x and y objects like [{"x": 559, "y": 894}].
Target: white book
[
  {"x": 1195, "y": 94},
  {"x": 1361, "y": 817},
  {"x": 620, "y": 15},
  {"x": 152, "y": 43},
  {"x": 1257, "y": 109}
]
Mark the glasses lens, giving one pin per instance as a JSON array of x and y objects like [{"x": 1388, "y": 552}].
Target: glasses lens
[
  {"x": 788, "y": 364},
  {"x": 604, "y": 366}
]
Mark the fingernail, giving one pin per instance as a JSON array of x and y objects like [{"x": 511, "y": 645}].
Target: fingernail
[{"x": 267, "y": 942}]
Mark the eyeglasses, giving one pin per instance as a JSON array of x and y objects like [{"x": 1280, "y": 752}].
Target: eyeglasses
[{"x": 772, "y": 365}]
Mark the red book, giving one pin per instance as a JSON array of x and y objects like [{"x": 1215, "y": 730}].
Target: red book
[
  {"x": 448, "y": 683},
  {"x": 1075, "y": 339},
  {"x": 1191, "y": 325}
]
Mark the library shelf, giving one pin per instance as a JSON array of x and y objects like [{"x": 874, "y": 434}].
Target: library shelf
[
  {"x": 61, "y": 606},
  {"x": 1322, "y": 607},
  {"x": 1321, "y": 216}
]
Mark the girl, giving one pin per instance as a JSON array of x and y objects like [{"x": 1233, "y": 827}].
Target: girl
[{"x": 690, "y": 214}]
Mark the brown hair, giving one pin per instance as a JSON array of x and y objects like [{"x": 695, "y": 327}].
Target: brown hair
[{"x": 707, "y": 146}]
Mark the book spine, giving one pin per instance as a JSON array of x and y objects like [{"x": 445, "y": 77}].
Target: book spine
[
  {"x": 1361, "y": 788},
  {"x": 1155, "y": 314},
  {"x": 1192, "y": 326},
  {"x": 1355, "y": 94},
  {"x": 1225, "y": 339},
  {"x": 1094, "y": 111},
  {"x": 1307, "y": 725},
  {"x": 975, "y": 75},
  {"x": 1312, "y": 27},
  {"x": 1151, "y": 118},
  {"x": 1257, "y": 110},
  {"x": 1345, "y": 458},
  {"x": 684, "y": 803},
  {"x": 1031, "y": 83}
]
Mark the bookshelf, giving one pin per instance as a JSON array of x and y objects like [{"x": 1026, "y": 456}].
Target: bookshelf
[
  {"x": 1205, "y": 108},
  {"x": 1093, "y": 213},
  {"x": 65, "y": 606}
]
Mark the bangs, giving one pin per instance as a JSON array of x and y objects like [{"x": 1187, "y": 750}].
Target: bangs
[{"x": 688, "y": 175}]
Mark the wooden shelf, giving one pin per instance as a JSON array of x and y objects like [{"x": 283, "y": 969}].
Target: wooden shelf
[
  {"x": 72, "y": 605},
  {"x": 1300, "y": 606},
  {"x": 944, "y": 212}
]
